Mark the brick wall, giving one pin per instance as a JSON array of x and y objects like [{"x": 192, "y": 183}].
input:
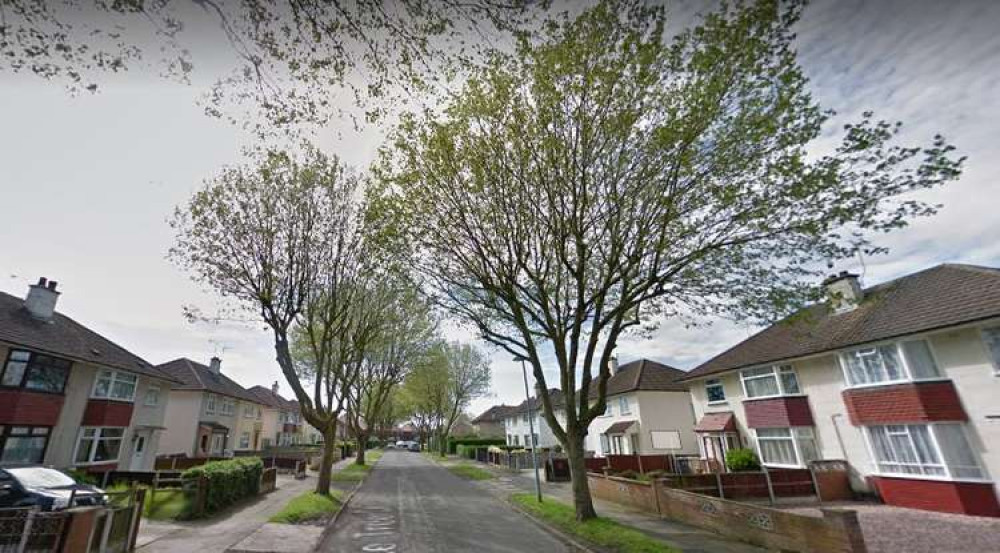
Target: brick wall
[
  {"x": 969, "y": 498},
  {"x": 779, "y": 412},
  {"x": 639, "y": 495},
  {"x": 29, "y": 408},
  {"x": 911, "y": 402},
  {"x": 102, "y": 412}
]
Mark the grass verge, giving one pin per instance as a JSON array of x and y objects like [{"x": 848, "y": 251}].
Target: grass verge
[
  {"x": 471, "y": 472},
  {"x": 599, "y": 531},
  {"x": 308, "y": 506},
  {"x": 357, "y": 473}
]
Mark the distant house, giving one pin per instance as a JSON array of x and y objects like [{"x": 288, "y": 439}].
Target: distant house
[
  {"x": 490, "y": 424},
  {"x": 283, "y": 424},
  {"x": 901, "y": 380},
  {"x": 209, "y": 414},
  {"x": 70, "y": 397},
  {"x": 519, "y": 420}
]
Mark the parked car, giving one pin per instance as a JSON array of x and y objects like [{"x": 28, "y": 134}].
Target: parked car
[
  {"x": 49, "y": 489},
  {"x": 414, "y": 446}
]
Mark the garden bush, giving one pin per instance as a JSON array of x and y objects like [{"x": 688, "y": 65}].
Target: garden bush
[
  {"x": 743, "y": 459},
  {"x": 82, "y": 477},
  {"x": 630, "y": 474},
  {"x": 228, "y": 481},
  {"x": 453, "y": 443}
]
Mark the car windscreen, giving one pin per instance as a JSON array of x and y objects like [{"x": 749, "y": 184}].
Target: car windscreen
[{"x": 40, "y": 477}]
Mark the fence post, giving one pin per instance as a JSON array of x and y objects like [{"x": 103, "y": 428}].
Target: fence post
[
  {"x": 109, "y": 519},
  {"x": 770, "y": 486},
  {"x": 718, "y": 483},
  {"x": 79, "y": 528},
  {"x": 26, "y": 530},
  {"x": 201, "y": 496},
  {"x": 139, "y": 500},
  {"x": 812, "y": 475}
]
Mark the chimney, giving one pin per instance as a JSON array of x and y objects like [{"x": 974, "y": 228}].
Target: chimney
[
  {"x": 215, "y": 365},
  {"x": 613, "y": 365},
  {"x": 843, "y": 291},
  {"x": 41, "y": 299},
  {"x": 274, "y": 387}
]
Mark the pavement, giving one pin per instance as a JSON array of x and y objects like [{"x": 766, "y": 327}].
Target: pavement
[
  {"x": 412, "y": 504},
  {"x": 224, "y": 530}
]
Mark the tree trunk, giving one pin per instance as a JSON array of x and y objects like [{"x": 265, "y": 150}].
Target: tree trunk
[
  {"x": 362, "y": 445},
  {"x": 443, "y": 444},
  {"x": 325, "y": 466},
  {"x": 582, "y": 501}
]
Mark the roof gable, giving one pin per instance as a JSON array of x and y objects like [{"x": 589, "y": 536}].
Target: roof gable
[{"x": 195, "y": 376}]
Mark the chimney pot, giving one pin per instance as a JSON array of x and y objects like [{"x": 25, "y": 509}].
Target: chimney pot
[
  {"x": 52, "y": 285},
  {"x": 41, "y": 299},
  {"x": 274, "y": 387},
  {"x": 215, "y": 364}
]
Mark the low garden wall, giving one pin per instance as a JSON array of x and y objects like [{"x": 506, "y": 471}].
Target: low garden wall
[{"x": 639, "y": 495}]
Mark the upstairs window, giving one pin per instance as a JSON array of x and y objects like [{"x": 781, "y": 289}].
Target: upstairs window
[
  {"x": 991, "y": 337},
  {"x": 779, "y": 380},
  {"x": 714, "y": 390},
  {"x": 248, "y": 410},
  {"x": 623, "y": 406},
  {"x": 114, "y": 385},
  {"x": 34, "y": 371},
  {"x": 210, "y": 404},
  {"x": 228, "y": 406},
  {"x": 889, "y": 363},
  {"x": 152, "y": 396}
]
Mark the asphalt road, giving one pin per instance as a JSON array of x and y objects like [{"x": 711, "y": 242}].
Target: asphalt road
[{"x": 410, "y": 504}]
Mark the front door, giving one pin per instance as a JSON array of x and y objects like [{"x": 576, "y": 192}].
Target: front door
[{"x": 139, "y": 446}]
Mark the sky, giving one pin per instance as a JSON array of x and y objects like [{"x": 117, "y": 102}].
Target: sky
[{"x": 89, "y": 181}]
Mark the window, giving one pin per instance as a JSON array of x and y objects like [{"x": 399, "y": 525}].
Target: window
[
  {"x": 607, "y": 408},
  {"x": 665, "y": 439},
  {"x": 534, "y": 440},
  {"x": 210, "y": 404},
  {"x": 527, "y": 440},
  {"x": 991, "y": 336},
  {"x": 245, "y": 440},
  {"x": 248, "y": 410},
  {"x": 787, "y": 446},
  {"x": 623, "y": 406},
  {"x": 228, "y": 406},
  {"x": 114, "y": 385},
  {"x": 97, "y": 445},
  {"x": 938, "y": 450},
  {"x": 770, "y": 381},
  {"x": 605, "y": 445},
  {"x": 888, "y": 363},
  {"x": 517, "y": 440},
  {"x": 524, "y": 418},
  {"x": 152, "y": 396},
  {"x": 510, "y": 440},
  {"x": 715, "y": 391},
  {"x": 259, "y": 413},
  {"x": 34, "y": 371},
  {"x": 23, "y": 444}
]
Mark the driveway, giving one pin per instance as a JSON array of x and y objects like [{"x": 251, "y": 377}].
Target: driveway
[{"x": 411, "y": 504}]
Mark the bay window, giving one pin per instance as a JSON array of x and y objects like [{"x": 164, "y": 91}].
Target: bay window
[
  {"x": 991, "y": 337},
  {"x": 905, "y": 361},
  {"x": 114, "y": 385},
  {"x": 715, "y": 391},
  {"x": 34, "y": 371},
  {"x": 99, "y": 444},
  {"x": 777, "y": 380},
  {"x": 23, "y": 444},
  {"x": 938, "y": 450},
  {"x": 791, "y": 447}
]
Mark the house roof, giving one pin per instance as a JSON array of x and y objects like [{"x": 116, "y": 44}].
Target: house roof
[
  {"x": 271, "y": 399},
  {"x": 643, "y": 375},
  {"x": 195, "y": 376},
  {"x": 63, "y": 337},
  {"x": 619, "y": 427},
  {"x": 935, "y": 298},
  {"x": 535, "y": 404},
  {"x": 716, "y": 422},
  {"x": 497, "y": 413}
]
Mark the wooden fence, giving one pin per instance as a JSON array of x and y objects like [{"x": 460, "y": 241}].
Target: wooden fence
[{"x": 677, "y": 464}]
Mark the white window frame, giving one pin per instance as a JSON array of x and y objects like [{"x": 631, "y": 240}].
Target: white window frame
[
  {"x": 793, "y": 436},
  {"x": 713, "y": 382},
  {"x": 248, "y": 411},
  {"x": 114, "y": 377},
  {"x": 775, "y": 373},
  {"x": 228, "y": 406},
  {"x": 624, "y": 406},
  {"x": 932, "y": 431},
  {"x": 245, "y": 440},
  {"x": 152, "y": 393},
  {"x": 98, "y": 436},
  {"x": 994, "y": 358},
  {"x": 210, "y": 404},
  {"x": 904, "y": 363}
]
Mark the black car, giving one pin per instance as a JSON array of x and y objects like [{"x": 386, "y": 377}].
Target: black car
[{"x": 49, "y": 489}]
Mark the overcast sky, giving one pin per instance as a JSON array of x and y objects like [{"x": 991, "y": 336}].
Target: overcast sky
[{"x": 88, "y": 182}]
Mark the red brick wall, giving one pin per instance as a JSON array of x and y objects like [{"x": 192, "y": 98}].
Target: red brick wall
[
  {"x": 904, "y": 403},
  {"x": 102, "y": 412},
  {"x": 29, "y": 408},
  {"x": 778, "y": 412},
  {"x": 969, "y": 498}
]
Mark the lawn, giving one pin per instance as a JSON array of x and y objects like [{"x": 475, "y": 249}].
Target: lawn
[
  {"x": 599, "y": 531},
  {"x": 166, "y": 504},
  {"x": 308, "y": 506},
  {"x": 471, "y": 472}
]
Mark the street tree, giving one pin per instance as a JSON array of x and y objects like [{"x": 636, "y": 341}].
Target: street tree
[
  {"x": 608, "y": 174},
  {"x": 468, "y": 378},
  {"x": 282, "y": 238}
]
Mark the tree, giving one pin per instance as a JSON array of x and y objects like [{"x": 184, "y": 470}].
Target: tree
[
  {"x": 603, "y": 177},
  {"x": 468, "y": 378},
  {"x": 282, "y": 238},
  {"x": 424, "y": 392}
]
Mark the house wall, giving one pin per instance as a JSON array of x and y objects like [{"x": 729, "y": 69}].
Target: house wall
[
  {"x": 269, "y": 427},
  {"x": 491, "y": 429},
  {"x": 182, "y": 416},
  {"x": 518, "y": 426},
  {"x": 666, "y": 411},
  {"x": 62, "y": 441},
  {"x": 246, "y": 424}
]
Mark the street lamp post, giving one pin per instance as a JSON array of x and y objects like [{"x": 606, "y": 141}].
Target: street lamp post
[{"x": 531, "y": 428}]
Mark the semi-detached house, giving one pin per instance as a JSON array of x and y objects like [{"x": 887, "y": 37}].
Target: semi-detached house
[
  {"x": 901, "y": 380},
  {"x": 282, "y": 419},
  {"x": 71, "y": 398}
]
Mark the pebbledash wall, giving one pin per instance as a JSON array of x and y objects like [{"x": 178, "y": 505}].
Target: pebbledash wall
[{"x": 966, "y": 393}]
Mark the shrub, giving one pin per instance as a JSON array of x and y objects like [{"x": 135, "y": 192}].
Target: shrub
[
  {"x": 228, "y": 481},
  {"x": 743, "y": 459},
  {"x": 82, "y": 477},
  {"x": 453, "y": 443},
  {"x": 630, "y": 474}
]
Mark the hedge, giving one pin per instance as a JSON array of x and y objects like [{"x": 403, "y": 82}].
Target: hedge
[
  {"x": 453, "y": 443},
  {"x": 227, "y": 481}
]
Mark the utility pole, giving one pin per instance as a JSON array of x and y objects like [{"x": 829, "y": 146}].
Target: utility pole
[{"x": 531, "y": 428}]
